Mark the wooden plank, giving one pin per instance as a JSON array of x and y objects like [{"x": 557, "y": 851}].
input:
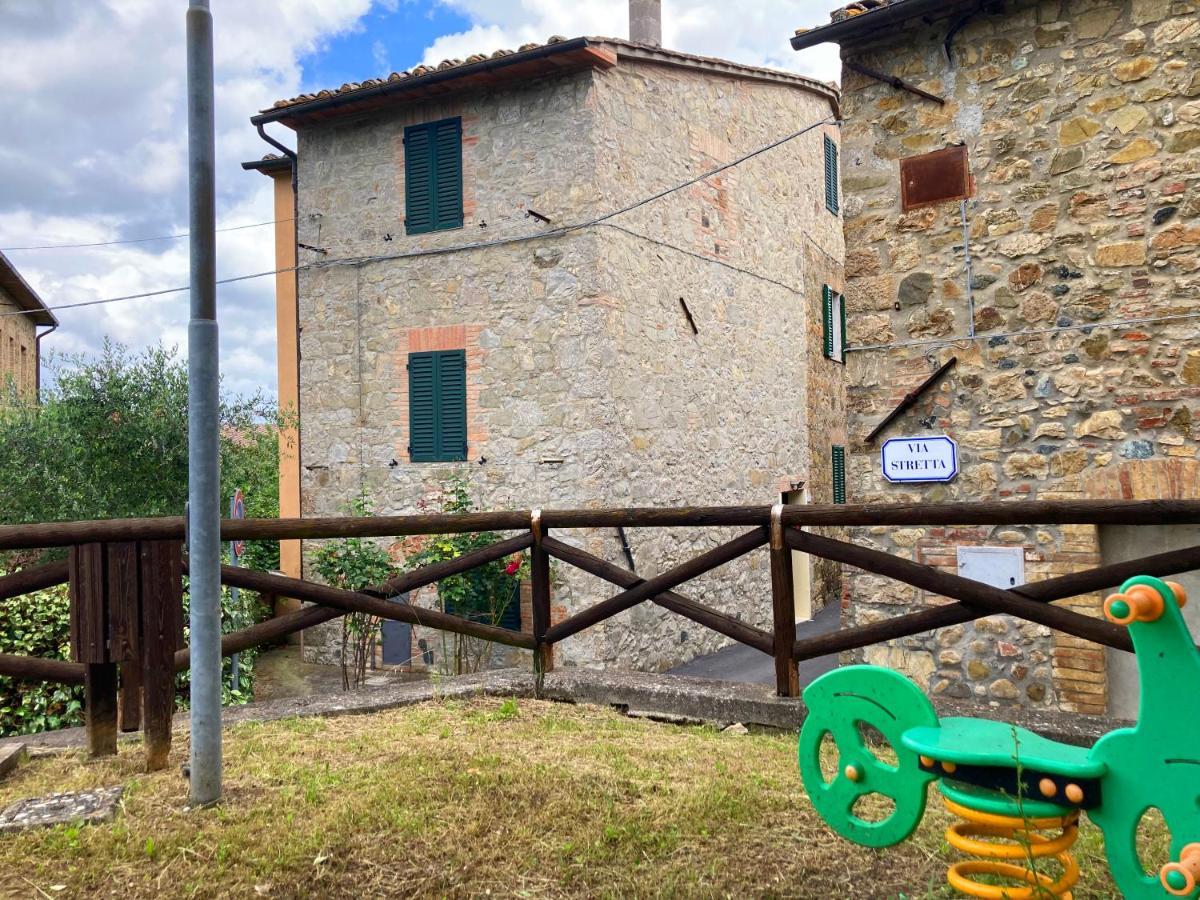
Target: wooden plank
[
  {"x": 350, "y": 601},
  {"x": 1160, "y": 565},
  {"x": 676, "y": 603},
  {"x": 983, "y": 597},
  {"x": 100, "y": 708},
  {"x": 129, "y": 695},
  {"x": 783, "y": 609},
  {"x": 31, "y": 668},
  {"x": 266, "y": 632},
  {"x": 539, "y": 572},
  {"x": 161, "y": 577},
  {"x": 1038, "y": 512},
  {"x": 37, "y": 578},
  {"x": 437, "y": 571},
  {"x": 89, "y": 614},
  {"x": 124, "y": 608},
  {"x": 652, "y": 587}
]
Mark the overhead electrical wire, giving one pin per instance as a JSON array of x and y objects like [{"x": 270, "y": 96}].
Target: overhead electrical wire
[
  {"x": 456, "y": 248},
  {"x": 145, "y": 240},
  {"x": 590, "y": 223}
]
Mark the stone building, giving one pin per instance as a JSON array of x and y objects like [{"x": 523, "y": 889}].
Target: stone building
[
  {"x": 22, "y": 312},
  {"x": 1074, "y": 326},
  {"x": 467, "y": 306}
]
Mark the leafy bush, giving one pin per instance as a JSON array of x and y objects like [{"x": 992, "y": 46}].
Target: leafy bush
[
  {"x": 353, "y": 564},
  {"x": 483, "y": 594},
  {"x": 37, "y": 625}
]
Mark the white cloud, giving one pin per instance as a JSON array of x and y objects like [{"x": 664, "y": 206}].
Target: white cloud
[
  {"x": 96, "y": 149},
  {"x": 94, "y": 146},
  {"x": 754, "y": 33}
]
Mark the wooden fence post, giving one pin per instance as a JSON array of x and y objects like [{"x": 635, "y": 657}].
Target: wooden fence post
[
  {"x": 539, "y": 568},
  {"x": 124, "y": 629},
  {"x": 161, "y": 575},
  {"x": 783, "y": 607},
  {"x": 89, "y": 645}
]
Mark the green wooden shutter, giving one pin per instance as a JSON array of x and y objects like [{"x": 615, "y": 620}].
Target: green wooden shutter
[
  {"x": 452, "y": 405},
  {"x": 831, "y": 175},
  {"x": 437, "y": 406},
  {"x": 433, "y": 184},
  {"x": 448, "y": 194},
  {"x": 418, "y": 179},
  {"x": 827, "y": 319},
  {"x": 839, "y": 474},
  {"x": 422, "y": 407}
]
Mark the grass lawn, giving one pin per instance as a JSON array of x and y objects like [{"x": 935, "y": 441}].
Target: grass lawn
[{"x": 488, "y": 797}]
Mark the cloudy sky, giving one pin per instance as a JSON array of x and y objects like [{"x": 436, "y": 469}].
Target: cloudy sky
[{"x": 94, "y": 142}]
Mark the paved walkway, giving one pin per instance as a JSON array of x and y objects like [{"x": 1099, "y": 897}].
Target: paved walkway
[
  {"x": 750, "y": 666},
  {"x": 280, "y": 673},
  {"x": 667, "y": 696}
]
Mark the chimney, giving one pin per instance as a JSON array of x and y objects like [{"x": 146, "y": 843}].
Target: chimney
[{"x": 645, "y": 22}]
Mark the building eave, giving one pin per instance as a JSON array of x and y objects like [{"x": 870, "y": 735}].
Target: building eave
[
  {"x": 578, "y": 53},
  {"x": 272, "y": 166},
  {"x": 23, "y": 295},
  {"x": 868, "y": 24}
]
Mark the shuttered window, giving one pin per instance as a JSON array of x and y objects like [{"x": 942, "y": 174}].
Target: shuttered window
[
  {"x": 831, "y": 175},
  {"x": 433, "y": 193},
  {"x": 833, "y": 324},
  {"x": 839, "y": 474},
  {"x": 437, "y": 406}
]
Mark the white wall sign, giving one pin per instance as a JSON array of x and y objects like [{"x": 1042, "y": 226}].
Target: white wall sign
[
  {"x": 932, "y": 458},
  {"x": 1002, "y": 567}
]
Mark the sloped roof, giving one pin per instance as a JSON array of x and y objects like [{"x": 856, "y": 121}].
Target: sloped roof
[
  {"x": 528, "y": 61},
  {"x": 22, "y": 294},
  {"x": 866, "y": 17}
]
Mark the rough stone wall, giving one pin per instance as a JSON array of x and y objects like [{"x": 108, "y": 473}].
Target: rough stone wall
[
  {"x": 1082, "y": 120},
  {"x": 18, "y": 350},
  {"x": 586, "y": 384}
]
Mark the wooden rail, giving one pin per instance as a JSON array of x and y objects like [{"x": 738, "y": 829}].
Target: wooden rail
[
  {"x": 1016, "y": 512},
  {"x": 126, "y": 589}
]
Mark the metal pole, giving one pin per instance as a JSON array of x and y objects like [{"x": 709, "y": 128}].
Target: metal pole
[{"x": 203, "y": 439}]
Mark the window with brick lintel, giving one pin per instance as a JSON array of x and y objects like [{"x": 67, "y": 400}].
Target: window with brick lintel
[{"x": 437, "y": 406}]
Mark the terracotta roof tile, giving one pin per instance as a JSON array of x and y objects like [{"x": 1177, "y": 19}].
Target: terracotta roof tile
[
  {"x": 448, "y": 64},
  {"x": 851, "y": 10}
]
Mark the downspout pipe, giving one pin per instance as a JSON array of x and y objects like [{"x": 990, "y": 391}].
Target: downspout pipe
[{"x": 37, "y": 362}]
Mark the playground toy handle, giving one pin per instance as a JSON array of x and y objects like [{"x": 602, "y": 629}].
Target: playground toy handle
[
  {"x": 1141, "y": 603},
  {"x": 1179, "y": 878}
]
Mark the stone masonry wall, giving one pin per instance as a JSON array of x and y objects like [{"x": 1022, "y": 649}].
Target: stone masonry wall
[
  {"x": 1082, "y": 121},
  {"x": 587, "y": 386},
  {"x": 18, "y": 350}
]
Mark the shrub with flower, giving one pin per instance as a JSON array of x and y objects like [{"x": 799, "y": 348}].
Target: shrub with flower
[{"x": 486, "y": 594}]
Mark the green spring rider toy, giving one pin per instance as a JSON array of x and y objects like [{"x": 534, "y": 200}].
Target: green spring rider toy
[{"x": 1019, "y": 795}]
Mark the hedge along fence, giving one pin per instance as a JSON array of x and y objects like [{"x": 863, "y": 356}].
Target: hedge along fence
[{"x": 125, "y": 578}]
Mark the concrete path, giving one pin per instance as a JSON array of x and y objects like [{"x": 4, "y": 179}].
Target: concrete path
[
  {"x": 669, "y": 696},
  {"x": 749, "y": 666}
]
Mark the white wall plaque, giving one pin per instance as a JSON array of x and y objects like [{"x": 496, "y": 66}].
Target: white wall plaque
[
  {"x": 1002, "y": 567},
  {"x": 932, "y": 458}
]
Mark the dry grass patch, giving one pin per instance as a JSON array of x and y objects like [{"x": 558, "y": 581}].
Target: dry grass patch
[{"x": 499, "y": 797}]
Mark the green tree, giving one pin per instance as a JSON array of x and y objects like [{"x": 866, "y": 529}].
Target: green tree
[{"x": 109, "y": 440}]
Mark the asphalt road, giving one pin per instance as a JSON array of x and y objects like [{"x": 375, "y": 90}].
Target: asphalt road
[{"x": 742, "y": 663}]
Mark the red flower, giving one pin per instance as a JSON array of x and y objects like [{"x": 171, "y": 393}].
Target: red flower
[{"x": 513, "y": 567}]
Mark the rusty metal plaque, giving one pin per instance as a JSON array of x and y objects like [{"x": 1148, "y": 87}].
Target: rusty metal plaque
[{"x": 936, "y": 177}]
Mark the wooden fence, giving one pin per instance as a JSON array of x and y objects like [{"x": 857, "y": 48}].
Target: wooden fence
[{"x": 126, "y": 587}]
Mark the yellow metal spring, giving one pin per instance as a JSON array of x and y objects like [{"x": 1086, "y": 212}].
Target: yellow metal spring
[{"x": 1014, "y": 839}]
